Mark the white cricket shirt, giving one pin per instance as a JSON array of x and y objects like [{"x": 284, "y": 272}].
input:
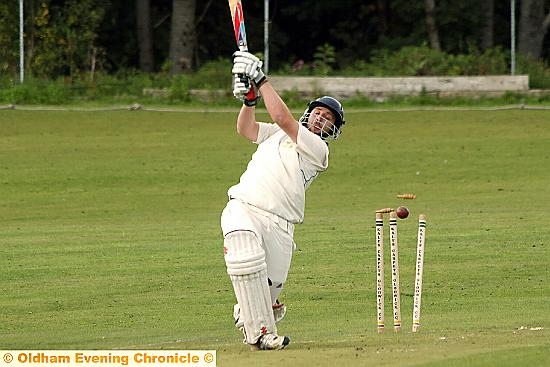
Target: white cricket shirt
[{"x": 280, "y": 171}]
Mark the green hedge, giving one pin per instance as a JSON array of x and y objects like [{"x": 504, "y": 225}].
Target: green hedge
[{"x": 128, "y": 86}]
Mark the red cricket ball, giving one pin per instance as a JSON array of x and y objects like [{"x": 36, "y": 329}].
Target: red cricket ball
[{"x": 402, "y": 212}]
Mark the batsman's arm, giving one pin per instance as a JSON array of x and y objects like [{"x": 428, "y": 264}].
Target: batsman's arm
[
  {"x": 278, "y": 110},
  {"x": 246, "y": 123}
]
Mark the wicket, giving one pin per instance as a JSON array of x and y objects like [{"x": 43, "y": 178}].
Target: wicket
[
  {"x": 395, "y": 273},
  {"x": 396, "y": 293},
  {"x": 419, "y": 271},
  {"x": 380, "y": 270}
]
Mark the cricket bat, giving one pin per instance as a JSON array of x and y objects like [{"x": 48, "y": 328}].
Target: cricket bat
[{"x": 237, "y": 17}]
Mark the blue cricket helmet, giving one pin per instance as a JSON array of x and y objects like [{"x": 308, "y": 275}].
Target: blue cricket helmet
[
  {"x": 337, "y": 110},
  {"x": 332, "y": 104}
]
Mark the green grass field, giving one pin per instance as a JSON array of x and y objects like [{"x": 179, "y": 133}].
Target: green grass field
[{"x": 110, "y": 237}]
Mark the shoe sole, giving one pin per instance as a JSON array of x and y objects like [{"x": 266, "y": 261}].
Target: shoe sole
[
  {"x": 284, "y": 344},
  {"x": 286, "y": 341}
]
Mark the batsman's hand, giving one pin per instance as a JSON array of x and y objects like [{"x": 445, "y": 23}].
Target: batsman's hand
[
  {"x": 241, "y": 86},
  {"x": 244, "y": 91},
  {"x": 247, "y": 64}
]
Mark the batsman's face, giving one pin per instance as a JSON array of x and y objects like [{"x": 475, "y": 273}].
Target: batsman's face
[{"x": 321, "y": 120}]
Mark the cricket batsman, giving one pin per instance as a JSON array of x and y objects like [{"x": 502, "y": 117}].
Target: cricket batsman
[{"x": 269, "y": 199}]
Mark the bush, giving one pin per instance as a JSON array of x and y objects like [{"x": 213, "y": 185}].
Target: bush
[
  {"x": 127, "y": 86},
  {"x": 423, "y": 61},
  {"x": 36, "y": 92},
  {"x": 212, "y": 75},
  {"x": 179, "y": 89},
  {"x": 538, "y": 71},
  {"x": 410, "y": 61},
  {"x": 325, "y": 59}
]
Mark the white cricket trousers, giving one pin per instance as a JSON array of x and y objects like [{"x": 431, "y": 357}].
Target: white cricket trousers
[{"x": 275, "y": 235}]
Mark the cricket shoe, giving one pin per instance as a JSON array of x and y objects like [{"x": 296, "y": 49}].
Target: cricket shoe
[{"x": 272, "y": 342}]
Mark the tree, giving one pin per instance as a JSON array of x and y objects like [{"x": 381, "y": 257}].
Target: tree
[
  {"x": 182, "y": 36},
  {"x": 9, "y": 44},
  {"x": 533, "y": 25},
  {"x": 431, "y": 26},
  {"x": 72, "y": 37},
  {"x": 62, "y": 37},
  {"x": 487, "y": 23},
  {"x": 145, "y": 35}
]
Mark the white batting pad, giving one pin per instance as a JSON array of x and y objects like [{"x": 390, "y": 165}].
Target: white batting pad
[
  {"x": 247, "y": 269},
  {"x": 243, "y": 253},
  {"x": 255, "y": 303}
]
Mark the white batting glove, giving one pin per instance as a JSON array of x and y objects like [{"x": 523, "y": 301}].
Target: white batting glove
[
  {"x": 244, "y": 91},
  {"x": 241, "y": 86},
  {"x": 247, "y": 64}
]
